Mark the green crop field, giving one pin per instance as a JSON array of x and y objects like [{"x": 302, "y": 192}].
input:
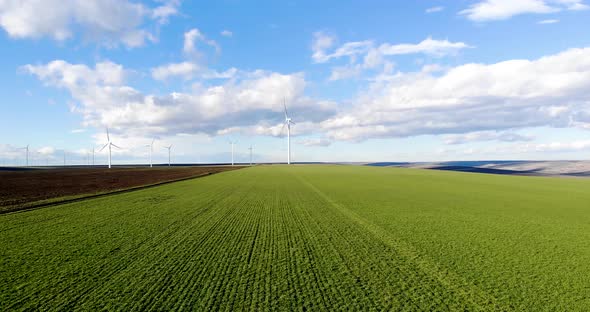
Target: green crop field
[{"x": 308, "y": 238}]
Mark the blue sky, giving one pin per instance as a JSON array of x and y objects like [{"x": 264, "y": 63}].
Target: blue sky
[{"x": 364, "y": 81}]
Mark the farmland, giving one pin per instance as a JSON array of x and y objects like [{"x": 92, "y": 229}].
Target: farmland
[
  {"x": 308, "y": 237},
  {"x": 21, "y": 189}
]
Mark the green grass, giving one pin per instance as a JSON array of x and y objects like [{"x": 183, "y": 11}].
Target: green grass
[{"x": 308, "y": 237}]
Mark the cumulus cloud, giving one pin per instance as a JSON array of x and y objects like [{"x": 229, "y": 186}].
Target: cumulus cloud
[
  {"x": 109, "y": 22},
  {"x": 255, "y": 98},
  {"x": 550, "y": 91},
  {"x": 490, "y": 10}
]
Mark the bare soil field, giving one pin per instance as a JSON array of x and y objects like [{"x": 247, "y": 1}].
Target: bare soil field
[{"x": 26, "y": 188}]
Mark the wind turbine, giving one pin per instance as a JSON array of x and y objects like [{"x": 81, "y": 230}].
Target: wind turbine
[
  {"x": 232, "y": 151},
  {"x": 288, "y": 123},
  {"x": 27, "y": 157},
  {"x": 151, "y": 146},
  {"x": 169, "y": 148},
  {"x": 250, "y": 148},
  {"x": 109, "y": 144},
  {"x": 92, "y": 156}
]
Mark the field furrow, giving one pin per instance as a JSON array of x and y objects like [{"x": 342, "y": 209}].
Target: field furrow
[{"x": 319, "y": 238}]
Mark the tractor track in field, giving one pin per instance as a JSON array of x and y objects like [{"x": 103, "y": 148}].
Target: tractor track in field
[
  {"x": 480, "y": 299},
  {"x": 291, "y": 238}
]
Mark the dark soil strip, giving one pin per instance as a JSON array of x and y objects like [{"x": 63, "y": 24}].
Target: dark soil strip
[{"x": 33, "y": 206}]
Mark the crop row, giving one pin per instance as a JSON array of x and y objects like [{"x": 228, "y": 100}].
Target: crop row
[{"x": 278, "y": 238}]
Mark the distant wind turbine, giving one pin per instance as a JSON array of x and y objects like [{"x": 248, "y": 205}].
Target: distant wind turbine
[
  {"x": 151, "y": 146},
  {"x": 27, "y": 154},
  {"x": 169, "y": 148},
  {"x": 232, "y": 151},
  {"x": 288, "y": 123},
  {"x": 250, "y": 148},
  {"x": 109, "y": 144}
]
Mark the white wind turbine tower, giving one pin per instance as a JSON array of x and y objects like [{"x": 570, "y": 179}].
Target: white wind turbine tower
[
  {"x": 109, "y": 144},
  {"x": 250, "y": 148},
  {"x": 288, "y": 123},
  {"x": 151, "y": 146},
  {"x": 232, "y": 151},
  {"x": 169, "y": 148},
  {"x": 27, "y": 155}
]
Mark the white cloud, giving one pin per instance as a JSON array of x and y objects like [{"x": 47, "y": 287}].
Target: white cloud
[
  {"x": 78, "y": 130},
  {"x": 186, "y": 70},
  {"x": 212, "y": 74},
  {"x": 345, "y": 72},
  {"x": 347, "y": 49},
  {"x": 558, "y": 146},
  {"x": 367, "y": 48},
  {"x": 427, "y": 46},
  {"x": 364, "y": 55},
  {"x": 108, "y": 22},
  {"x": 194, "y": 36},
  {"x": 486, "y": 136},
  {"x": 46, "y": 150},
  {"x": 227, "y": 33},
  {"x": 490, "y": 10},
  {"x": 255, "y": 98},
  {"x": 67, "y": 75},
  {"x": 189, "y": 70},
  {"x": 432, "y": 68},
  {"x": 163, "y": 12},
  {"x": 321, "y": 42},
  {"x": 315, "y": 142},
  {"x": 435, "y": 9},
  {"x": 548, "y": 21},
  {"x": 550, "y": 91}
]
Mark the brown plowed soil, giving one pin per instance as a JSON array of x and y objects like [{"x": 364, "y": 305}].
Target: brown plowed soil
[{"x": 19, "y": 189}]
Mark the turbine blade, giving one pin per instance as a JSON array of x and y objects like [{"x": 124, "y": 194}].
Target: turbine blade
[
  {"x": 100, "y": 150},
  {"x": 108, "y": 137},
  {"x": 154, "y": 140},
  {"x": 113, "y": 144},
  {"x": 285, "y": 106}
]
